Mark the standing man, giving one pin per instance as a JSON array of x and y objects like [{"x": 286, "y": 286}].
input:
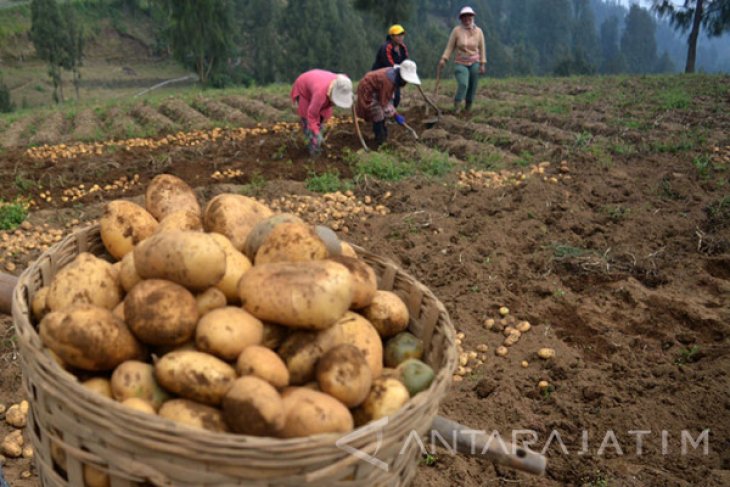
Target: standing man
[
  {"x": 375, "y": 96},
  {"x": 314, "y": 93},
  {"x": 392, "y": 52},
  {"x": 467, "y": 40}
]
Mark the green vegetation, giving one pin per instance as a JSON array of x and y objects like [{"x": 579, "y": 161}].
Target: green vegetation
[
  {"x": 616, "y": 213},
  {"x": 383, "y": 165},
  {"x": 435, "y": 164},
  {"x": 255, "y": 185},
  {"x": 688, "y": 355},
  {"x": 561, "y": 251},
  {"x": 12, "y": 214},
  {"x": 326, "y": 182}
]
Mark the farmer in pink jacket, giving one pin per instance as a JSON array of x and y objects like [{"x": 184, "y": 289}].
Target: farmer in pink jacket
[{"x": 315, "y": 92}]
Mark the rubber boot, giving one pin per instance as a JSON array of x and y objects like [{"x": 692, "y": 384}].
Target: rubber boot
[{"x": 381, "y": 133}]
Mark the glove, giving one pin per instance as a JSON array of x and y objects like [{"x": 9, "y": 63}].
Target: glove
[{"x": 400, "y": 119}]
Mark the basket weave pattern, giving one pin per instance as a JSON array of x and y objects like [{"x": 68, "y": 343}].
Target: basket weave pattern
[{"x": 135, "y": 449}]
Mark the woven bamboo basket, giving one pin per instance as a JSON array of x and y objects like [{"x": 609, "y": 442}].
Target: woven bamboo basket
[{"x": 134, "y": 449}]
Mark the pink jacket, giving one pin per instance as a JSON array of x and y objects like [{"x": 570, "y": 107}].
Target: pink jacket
[{"x": 311, "y": 90}]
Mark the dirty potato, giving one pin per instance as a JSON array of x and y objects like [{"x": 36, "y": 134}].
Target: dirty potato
[
  {"x": 291, "y": 242},
  {"x": 263, "y": 363},
  {"x": 388, "y": 313},
  {"x": 197, "y": 376},
  {"x": 253, "y": 407},
  {"x": 364, "y": 281},
  {"x": 99, "y": 385},
  {"x": 167, "y": 194},
  {"x": 234, "y": 216},
  {"x": 193, "y": 414},
  {"x": 124, "y": 225},
  {"x": 236, "y": 265},
  {"x": 355, "y": 330},
  {"x": 300, "y": 351},
  {"x": 39, "y": 303},
  {"x": 87, "y": 279},
  {"x": 135, "y": 379},
  {"x": 385, "y": 398},
  {"x": 226, "y": 332},
  {"x": 309, "y": 412},
  {"x": 210, "y": 299},
  {"x": 344, "y": 374},
  {"x": 261, "y": 230},
  {"x": 181, "y": 220},
  {"x": 128, "y": 276}
]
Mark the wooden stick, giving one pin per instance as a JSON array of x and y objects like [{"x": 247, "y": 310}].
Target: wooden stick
[
  {"x": 7, "y": 284},
  {"x": 357, "y": 129}
]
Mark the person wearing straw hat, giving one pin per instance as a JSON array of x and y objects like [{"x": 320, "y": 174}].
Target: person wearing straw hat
[
  {"x": 375, "y": 96},
  {"x": 392, "y": 52},
  {"x": 470, "y": 61},
  {"x": 314, "y": 93}
]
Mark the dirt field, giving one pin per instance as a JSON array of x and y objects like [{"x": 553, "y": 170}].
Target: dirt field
[{"x": 619, "y": 257}]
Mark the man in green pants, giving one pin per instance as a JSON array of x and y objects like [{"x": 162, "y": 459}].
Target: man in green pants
[{"x": 467, "y": 41}]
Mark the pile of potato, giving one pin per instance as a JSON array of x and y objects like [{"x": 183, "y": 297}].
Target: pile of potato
[{"x": 231, "y": 318}]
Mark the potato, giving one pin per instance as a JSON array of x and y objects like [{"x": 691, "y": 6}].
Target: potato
[
  {"x": 167, "y": 194},
  {"x": 225, "y": 332},
  {"x": 264, "y": 364},
  {"x": 210, "y": 299},
  {"x": 236, "y": 265},
  {"x": 330, "y": 239},
  {"x": 388, "y": 313},
  {"x": 386, "y": 397},
  {"x": 261, "y": 230},
  {"x": 161, "y": 312},
  {"x": 197, "y": 376},
  {"x": 139, "y": 405},
  {"x": 300, "y": 351},
  {"x": 347, "y": 250},
  {"x": 17, "y": 414},
  {"x": 402, "y": 347},
  {"x": 12, "y": 444},
  {"x": 310, "y": 295},
  {"x": 134, "y": 379},
  {"x": 181, "y": 220},
  {"x": 89, "y": 338},
  {"x": 85, "y": 280},
  {"x": 364, "y": 281},
  {"x": 344, "y": 374},
  {"x": 118, "y": 311},
  {"x": 309, "y": 412},
  {"x": 355, "y": 330},
  {"x": 415, "y": 375},
  {"x": 291, "y": 242},
  {"x": 99, "y": 385},
  {"x": 39, "y": 304},
  {"x": 234, "y": 216},
  {"x": 93, "y": 477},
  {"x": 253, "y": 407},
  {"x": 191, "y": 259},
  {"x": 274, "y": 335},
  {"x": 128, "y": 276},
  {"x": 193, "y": 414},
  {"x": 124, "y": 225}
]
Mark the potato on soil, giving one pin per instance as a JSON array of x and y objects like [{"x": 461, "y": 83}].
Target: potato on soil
[
  {"x": 236, "y": 265},
  {"x": 234, "y": 216},
  {"x": 167, "y": 194},
  {"x": 309, "y": 412},
  {"x": 85, "y": 280},
  {"x": 39, "y": 304},
  {"x": 401, "y": 347},
  {"x": 253, "y": 407},
  {"x": 135, "y": 379},
  {"x": 89, "y": 338},
  {"x": 139, "y": 405},
  {"x": 161, "y": 312},
  {"x": 416, "y": 375},
  {"x": 291, "y": 242},
  {"x": 99, "y": 385},
  {"x": 192, "y": 259},
  {"x": 364, "y": 281},
  {"x": 355, "y": 330},
  {"x": 264, "y": 364},
  {"x": 344, "y": 374},
  {"x": 261, "y": 230},
  {"x": 210, "y": 299},
  {"x": 309, "y": 295},
  {"x": 388, "y": 313},
  {"x": 181, "y": 220},
  {"x": 17, "y": 414},
  {"x": 12, "y": 444},
  {"x": 128, "y": 276},
  {"x": 124, "y": 225},
  {"x": 193, "y": 414},
  {"x": 386, "y": 397},
  {"x": 197, "y": 376},
  {"x": 226, "y": 332}
]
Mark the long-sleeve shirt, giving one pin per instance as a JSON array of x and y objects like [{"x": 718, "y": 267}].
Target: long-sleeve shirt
[
  {"x": 468, "y": 45},
  {"x": 310, "y": 92},
  {"x": 390, "y": 54},
  {"x": 375, "y": 86}
]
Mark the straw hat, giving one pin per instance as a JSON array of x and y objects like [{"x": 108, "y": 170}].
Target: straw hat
[
  {"x": 341, "y": 91},
  {"x": 408, "y": 72}
]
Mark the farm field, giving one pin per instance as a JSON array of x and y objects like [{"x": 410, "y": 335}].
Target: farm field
[{"x": 598, "y": 209}]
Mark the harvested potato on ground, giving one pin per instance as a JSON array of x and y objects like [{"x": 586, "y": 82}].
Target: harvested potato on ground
[
  {"x": 291, "y": 242},
  {"x": 135, "y": 379},
  {"x": 402, "y": 347},
  {"x": 388, "y": 313},
  {"x": 128, "y": 276},
  {"x": 17, "y": 414},
  {"x": 193, "y": 375},
  {"x": 161, "y": 312},
  {"x": 310, "y": 295},
  {"x": 123, "y": 225},
  {"x": 85, "y": 280},
  {"x": 210, "y": 299},
  {"x": 264, "y": 364},
  {"x": 226, "y": 332},
  {"x": 355, "y": 330},
  {"x": 181, "y": 220},
  {"x": 385, "y": 398},
  {"x": 99, "y": 385},
  {"x": 274, "y": 335},
  {"x": 236, "y": 265},
  {"x": 139, "y": 405},
  {"x": 39, "y": 304},
  {"x": 234, "y": 216},
  {"x": 253, "y": 407},
  {"x": 344, "y": 374},
  {"x": 416, "y": 375},
  {"x": 12, "y": 444},
  {"x": 191, "y": 259},
  {"x": 193, "y": 414},
  {"x": 261, "y": 230},
  {"x": 167, "y": 194},
  {"x": 89, "y": 338},
  {"x": 309, "y": 412},
  {"x": 93, "y": 477},
  {"x": 300, "y": 351},
  {"x": 364, "y": 281},
  {"x": 546, "y": 353}
]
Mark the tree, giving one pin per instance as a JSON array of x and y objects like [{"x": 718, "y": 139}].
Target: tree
[
  {"x": 613, "y": 61},
  {"x": 46, "y": 32},
  {"x": 638, "y": 44},
  {"x": 388, "y": 11},
  {"x": 200, "y": 33},
  {"x": 6, "y": 104},
  {"x": 713, "y": 15},
  {"x": 550, "y": 32},
  {"x": 586, "y": 46},
  {"x": 73, "y": 43}
]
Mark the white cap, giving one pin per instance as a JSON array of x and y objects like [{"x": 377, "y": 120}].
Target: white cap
[
  {"x": 408, "y": 72},
  {"x": 467, "y": 11},
  {"x": 341, "y": 91}
]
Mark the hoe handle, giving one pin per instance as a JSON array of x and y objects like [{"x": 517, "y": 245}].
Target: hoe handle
[{"x": 357, "y": 129}]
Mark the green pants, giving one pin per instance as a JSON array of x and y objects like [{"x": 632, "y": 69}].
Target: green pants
[{"x": 467, "y": 78}]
